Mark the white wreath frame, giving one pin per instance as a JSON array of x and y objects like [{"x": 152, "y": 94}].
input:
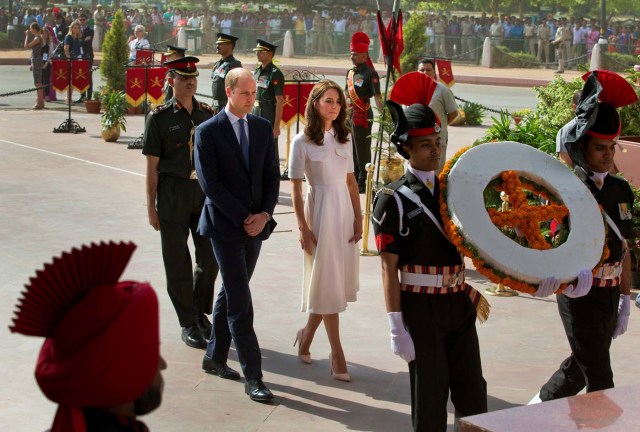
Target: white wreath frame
[{"x": 478, "y": 166}]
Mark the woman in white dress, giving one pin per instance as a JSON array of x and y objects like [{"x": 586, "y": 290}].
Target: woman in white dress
[{"x": 329, "y": 219}]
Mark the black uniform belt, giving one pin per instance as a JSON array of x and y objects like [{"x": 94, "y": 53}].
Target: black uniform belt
[
  {"x": 178, "y": 177},
  {"x": 265, "y": 103}
]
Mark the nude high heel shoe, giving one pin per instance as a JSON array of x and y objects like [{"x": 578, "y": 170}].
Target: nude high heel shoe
[
  {"x": 304, "y": 358},
  {"x": 338, "y": 376}
]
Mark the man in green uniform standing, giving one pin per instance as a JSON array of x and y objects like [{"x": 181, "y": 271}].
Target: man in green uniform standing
[
  {"x": 270, "y": 86},
  {"x": 363, "y": 83},
  {"x": 172, "y": 53},
  {"x": 224, "y": 46},
  {"x": 175, "y": 200}
]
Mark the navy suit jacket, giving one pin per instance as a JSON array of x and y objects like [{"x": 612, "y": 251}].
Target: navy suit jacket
[{"x": 233, "y": 191}]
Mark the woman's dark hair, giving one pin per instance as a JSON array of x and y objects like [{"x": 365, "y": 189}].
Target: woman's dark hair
[
  {"x": 34, "y": 25},
  {"x": 314, "y": 130}
]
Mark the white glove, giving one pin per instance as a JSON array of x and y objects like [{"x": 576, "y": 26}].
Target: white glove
[
  {"x": 546, "y": 287},
  {"x": 401, "y": 342},
  {"x": 582, "y": 288},
  {"x": 623, "y": 315}
]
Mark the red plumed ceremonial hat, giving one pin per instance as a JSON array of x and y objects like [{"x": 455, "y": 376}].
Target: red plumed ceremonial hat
[
  {"x": 413, "y": 87},
  {"x": 616, "y": 91}
]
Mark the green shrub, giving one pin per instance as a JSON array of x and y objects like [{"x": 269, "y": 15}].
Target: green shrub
[
  {"x": 115, "y": 55},
  {"x": 618, "y": 62},
  {"x": 529, "y": 131},
  {"x": 414, "y": 42},
  {"x": 504, "y": 58},
  {"x": 555, "y": 103},
  {"x": 4, "y": 40},
  {"x": 473, "y": 113}
]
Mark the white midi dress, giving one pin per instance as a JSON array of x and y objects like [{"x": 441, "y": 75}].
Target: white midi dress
[{"x": 330, "y": 274}]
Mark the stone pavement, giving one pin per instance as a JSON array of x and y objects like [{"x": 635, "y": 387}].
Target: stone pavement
[
  {"x": 468, "y": 74},
  {"x": 62, "y": 190}
]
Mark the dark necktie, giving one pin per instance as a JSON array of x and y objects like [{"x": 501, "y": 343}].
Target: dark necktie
[{"x": 244, "y": 142}]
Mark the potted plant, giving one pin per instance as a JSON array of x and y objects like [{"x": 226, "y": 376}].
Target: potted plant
[
  {"x": 93, "y": 105},
  {"x": 391, "y": 165},
  {"x": 113, "y": 120},
  {"x": 518, "y": 115},
  {"x": 115, "y": 54}
]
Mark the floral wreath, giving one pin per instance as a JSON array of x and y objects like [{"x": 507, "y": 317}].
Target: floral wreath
[{"x": 523, "y": 217}]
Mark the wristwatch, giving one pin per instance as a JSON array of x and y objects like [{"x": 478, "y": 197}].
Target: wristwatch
[{"x": 268, "y": 216}]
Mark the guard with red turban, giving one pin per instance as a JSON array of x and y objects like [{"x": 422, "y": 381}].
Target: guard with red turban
[
  {"x": 363, "y": 84},
  {"x": 100, "y": 361},
  {"x": 592, "y": 321},
  {"x": 430, "y": 308}
]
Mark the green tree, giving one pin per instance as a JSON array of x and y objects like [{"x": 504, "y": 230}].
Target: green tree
[
  {"x": 115, "y": 54},
  {"x": 414, "y": 42}
]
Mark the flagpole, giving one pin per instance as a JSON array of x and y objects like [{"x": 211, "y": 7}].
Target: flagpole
[
  {"x": 389, "y": 63},
  {"x": 390, "y": 51},
  {"x": 69, "y": 125}
]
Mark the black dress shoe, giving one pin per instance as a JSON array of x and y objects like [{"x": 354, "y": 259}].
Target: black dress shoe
[
  {"x": 192, "y": 336},
  {"x": 257, "y": 391},
  {"x": 220, "y": 369},
  {"x": 205, "y": 327}
]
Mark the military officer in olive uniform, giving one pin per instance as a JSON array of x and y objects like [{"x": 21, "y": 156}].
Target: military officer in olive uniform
[
  {"x": 270, "y": 86},
  {"x": 175, "y": 200},
  {"x": 172, "y": 53},
  {"x": 224, "y": 46},
  {"x": 363, "y": 83}
]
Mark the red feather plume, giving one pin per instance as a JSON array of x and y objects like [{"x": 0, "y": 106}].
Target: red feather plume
[
  {"x": 65, "y": 281},
  {"x": 413, "y": 87},
  {"x": 616, "y": 90}
]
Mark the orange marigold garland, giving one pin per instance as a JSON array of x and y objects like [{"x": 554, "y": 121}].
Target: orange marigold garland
[{"x": 526, "y": 218}]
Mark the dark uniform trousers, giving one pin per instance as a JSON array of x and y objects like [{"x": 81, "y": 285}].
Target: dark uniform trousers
[
  {"x": 362, "y": 152},
  {"x": 443, "y": 330},
  {"x": 267, "y": 110},
  {"x": 589, "y": 322},
  {"x": 233, "y": 313},
  {"x": 179, "y": 202}
]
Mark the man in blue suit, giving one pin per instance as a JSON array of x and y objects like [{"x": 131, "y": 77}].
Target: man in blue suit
[{"x": 238, "y": 171}]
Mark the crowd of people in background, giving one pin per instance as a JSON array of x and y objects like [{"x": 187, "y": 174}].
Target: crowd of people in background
[{"x": 324, "y": 32}]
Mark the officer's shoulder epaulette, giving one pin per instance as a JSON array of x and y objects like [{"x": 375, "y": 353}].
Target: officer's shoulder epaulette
[
  {"x": 160, "y": 108},
  {"x": 206, "y": 107}
]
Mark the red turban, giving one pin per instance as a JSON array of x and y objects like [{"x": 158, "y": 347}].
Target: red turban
[
  {"x": 102, "y": 345},
  {"x": 360, "y": 43}
]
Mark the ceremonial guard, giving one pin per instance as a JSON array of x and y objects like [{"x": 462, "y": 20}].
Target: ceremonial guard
[
  {"x": 175, "y": 200},
  {"x": 430, "y": 308},
  {"x": 270, "y": 81},
  {"x": 172, "y": 53},
  {"x": 592, "y": 321},
  {"x": 224, "y": 46},
  {"x": 363, "y": 83}
]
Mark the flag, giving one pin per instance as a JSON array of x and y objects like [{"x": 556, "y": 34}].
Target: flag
[
  {"x": 80, "y": 75},
  {"x": 135, "y": 86},
  {"x": 144, "y": 56},
  {"x": 294, "y": 105},
  {"x": 384, "y": 33},
  {"x": 445, "y": 74},
  {"x": 60, "y": 78},
  {"x": 155, "y": 84}
]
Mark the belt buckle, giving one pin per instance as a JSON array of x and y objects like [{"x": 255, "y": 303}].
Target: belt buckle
[
  {"x": 451, "y": 280},
  {"x": 193, "y": 175}
]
